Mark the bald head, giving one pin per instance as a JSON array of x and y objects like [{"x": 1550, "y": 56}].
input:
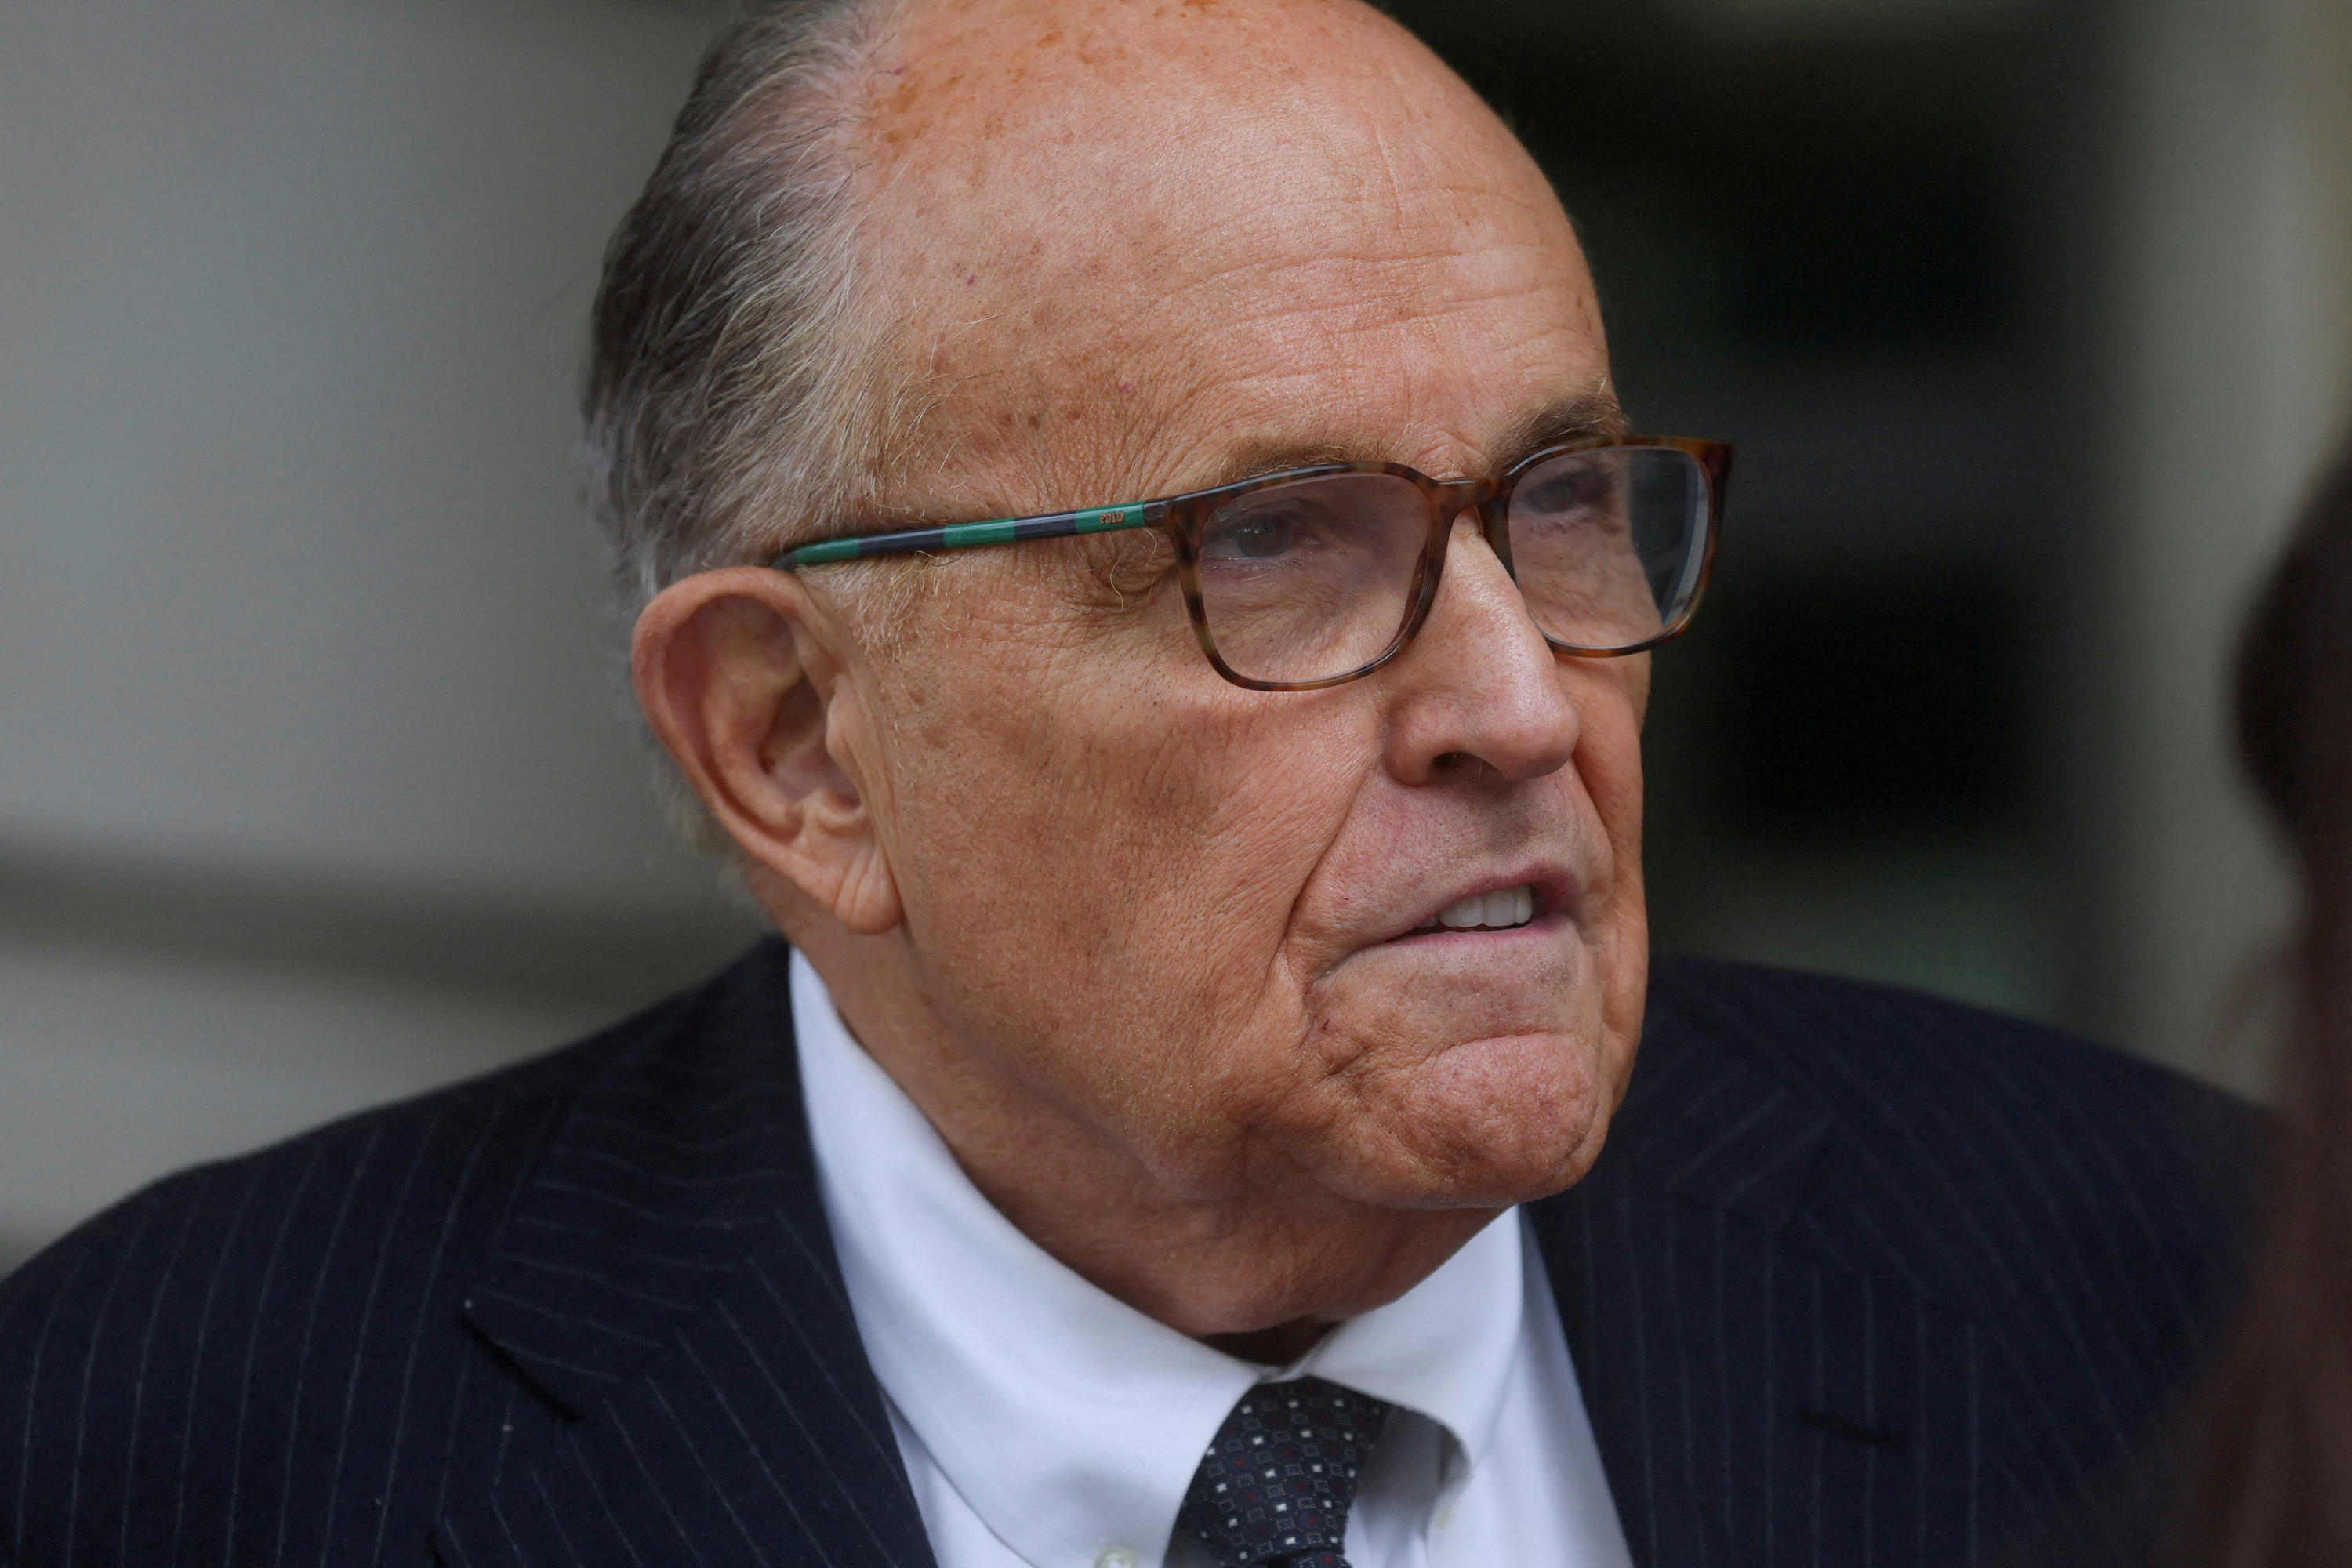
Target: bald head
[{"x": 1093, "y": 224}]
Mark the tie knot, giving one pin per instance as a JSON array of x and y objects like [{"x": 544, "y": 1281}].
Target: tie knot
[{"x": 1280, "y": 1476}]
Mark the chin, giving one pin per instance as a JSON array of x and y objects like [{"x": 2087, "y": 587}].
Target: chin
[{"x": 1486, "y": 1124}]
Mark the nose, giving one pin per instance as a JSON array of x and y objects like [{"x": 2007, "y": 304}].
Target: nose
[{"x": 1479, "y": 690}]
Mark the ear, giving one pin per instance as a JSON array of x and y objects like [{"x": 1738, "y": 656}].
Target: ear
[{"x": 748, "y": 681}]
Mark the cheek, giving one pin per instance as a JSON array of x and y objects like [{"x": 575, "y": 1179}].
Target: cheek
[
  {"x": 1097, "y": 870},
  {"x": 1609, "y": 755},
  {"x": 1609, "y": 759}
]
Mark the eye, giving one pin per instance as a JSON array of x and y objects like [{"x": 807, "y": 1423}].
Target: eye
[
  {"x": 1572, "y": 489},
  {"x": 1261, "y": 534},
  {"x": 1260, "y": 537}
]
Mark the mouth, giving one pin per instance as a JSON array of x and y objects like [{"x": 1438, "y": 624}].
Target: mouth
[{"x": 1502, "y": 908}]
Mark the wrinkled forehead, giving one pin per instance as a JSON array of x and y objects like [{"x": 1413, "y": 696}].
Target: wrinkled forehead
[{"x": 1127, "y": 236}]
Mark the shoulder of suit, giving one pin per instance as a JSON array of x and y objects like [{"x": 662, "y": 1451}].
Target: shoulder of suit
[
  {"x": 460, "y": 1153},
  {"x": 530, "y": 1090},
  {"x": 1855, "y": 1044},
  {"x": 1982, "y": 1131},
  {"x": 320, "y": 1290}
]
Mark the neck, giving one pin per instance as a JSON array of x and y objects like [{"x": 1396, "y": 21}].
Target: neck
[{"x": 1259, "y": 1265}]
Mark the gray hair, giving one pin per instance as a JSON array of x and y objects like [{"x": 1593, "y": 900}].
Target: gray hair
[
  {"x": 728, "y": 407},
  {"x": 725, "y": 406}
]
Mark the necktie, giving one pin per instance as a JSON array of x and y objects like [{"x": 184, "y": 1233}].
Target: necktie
[{"x": 1275, "y": 1488}]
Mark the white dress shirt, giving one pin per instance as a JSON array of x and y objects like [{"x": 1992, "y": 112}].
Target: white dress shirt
[{"x": 1045, "y": 1423}]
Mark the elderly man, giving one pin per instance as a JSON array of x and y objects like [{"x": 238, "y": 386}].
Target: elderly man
[{"x": 1140, "y": 566}]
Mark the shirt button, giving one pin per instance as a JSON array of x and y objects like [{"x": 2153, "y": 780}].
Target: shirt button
[{"x": 1115, "y": 1557}]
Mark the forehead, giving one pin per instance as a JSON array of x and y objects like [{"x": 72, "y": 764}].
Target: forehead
[{"x": 1122, "y": 243}]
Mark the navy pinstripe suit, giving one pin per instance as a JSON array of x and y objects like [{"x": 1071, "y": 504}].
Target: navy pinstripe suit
[{"x": 1859, "y": 1278}]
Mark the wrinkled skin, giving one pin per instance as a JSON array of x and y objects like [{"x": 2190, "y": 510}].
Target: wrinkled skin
[{"x": 1132, "y": 937}]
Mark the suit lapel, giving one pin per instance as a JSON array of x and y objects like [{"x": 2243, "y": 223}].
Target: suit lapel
[
  {"x": 1750, "y": 1399},
  {"x": 1753, "y": 1402},
  {"x": 668, "y": 1288}
]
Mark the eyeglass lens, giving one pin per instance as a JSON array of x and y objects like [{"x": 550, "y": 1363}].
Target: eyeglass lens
[{"x": 1313, "y": 578}]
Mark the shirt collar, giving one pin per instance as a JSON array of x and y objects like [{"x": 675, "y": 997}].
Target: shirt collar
[{"x": 1064, "y": 1417}]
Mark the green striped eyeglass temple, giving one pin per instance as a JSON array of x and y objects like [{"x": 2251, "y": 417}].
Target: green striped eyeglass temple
[
  {"x": 1314, "y": 576},
  {"x": 964, "y": 536}
]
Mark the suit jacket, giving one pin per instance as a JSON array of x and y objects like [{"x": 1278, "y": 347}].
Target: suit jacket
[{"x": 1861, "y": 1277}]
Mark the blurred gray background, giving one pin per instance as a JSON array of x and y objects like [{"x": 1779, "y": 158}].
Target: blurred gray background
[{"x": 2031, "y": 319}]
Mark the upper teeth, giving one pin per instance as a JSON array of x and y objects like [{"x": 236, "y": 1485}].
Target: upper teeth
[{"x": 1505, "y": 907}]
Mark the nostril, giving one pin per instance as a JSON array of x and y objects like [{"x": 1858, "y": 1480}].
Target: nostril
[{"x": 1445, "y": 760}]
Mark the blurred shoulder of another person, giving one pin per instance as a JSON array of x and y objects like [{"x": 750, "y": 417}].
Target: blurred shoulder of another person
[{"x": 2272, "y": 1485}]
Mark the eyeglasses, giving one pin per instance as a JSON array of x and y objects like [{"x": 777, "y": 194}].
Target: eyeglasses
[{"x": 1318, "y": 575}]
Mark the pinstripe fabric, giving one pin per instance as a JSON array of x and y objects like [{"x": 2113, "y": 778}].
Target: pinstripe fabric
[
  {"x": 1861, "y": 1279},
  {"x": 1865, "y": 1278}
]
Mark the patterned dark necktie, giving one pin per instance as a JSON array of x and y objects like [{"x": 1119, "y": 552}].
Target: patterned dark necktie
[{"x": 1276, "y": 1488}]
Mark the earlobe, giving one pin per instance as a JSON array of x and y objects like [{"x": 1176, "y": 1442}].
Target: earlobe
[{"x": 746, "y": 684}]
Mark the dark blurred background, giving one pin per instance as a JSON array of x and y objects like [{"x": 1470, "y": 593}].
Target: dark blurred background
[{"x": 2030, "y": 319}]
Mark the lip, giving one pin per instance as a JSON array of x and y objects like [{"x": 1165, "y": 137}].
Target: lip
[{"x": 1555, "y": 891}]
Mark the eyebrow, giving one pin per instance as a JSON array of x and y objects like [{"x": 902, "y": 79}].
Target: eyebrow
[
  {"x": 1587, "y": 414},
  {"x": 1570, "y": 418}
]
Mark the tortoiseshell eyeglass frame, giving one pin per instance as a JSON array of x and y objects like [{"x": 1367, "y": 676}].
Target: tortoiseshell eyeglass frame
[{"x": 1181, "y": 518}]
